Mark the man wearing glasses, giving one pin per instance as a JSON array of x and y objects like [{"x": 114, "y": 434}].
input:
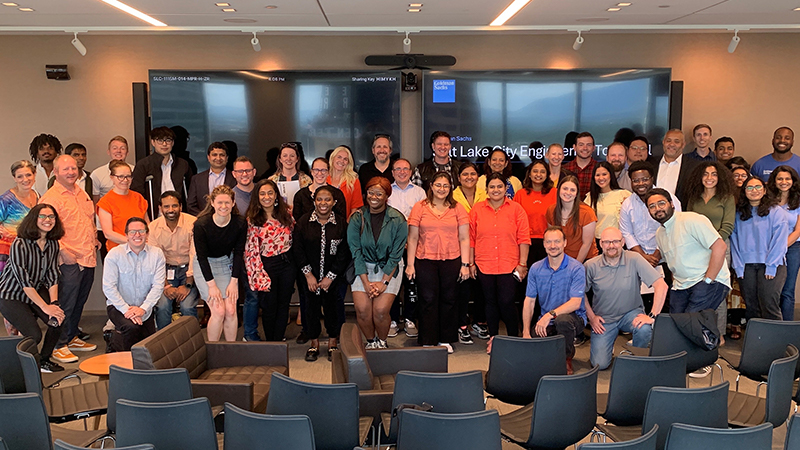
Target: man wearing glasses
[
  {"x": 243, "y": 172},
  {"x": 133, "y": 280},
  {"x": 439, "y": 162},
  {"x": 205, "y": 181},
  {"x": 161, "y": 171},
  {"x": 615, "y": 278}
]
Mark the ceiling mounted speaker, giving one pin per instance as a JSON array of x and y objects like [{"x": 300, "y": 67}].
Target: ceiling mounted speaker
[
  {"x": 57, "y": 72},
  {"x": 411, "y": 61}
]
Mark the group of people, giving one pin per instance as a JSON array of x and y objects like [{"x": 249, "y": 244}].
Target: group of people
[{"x": 466, "y": 243}]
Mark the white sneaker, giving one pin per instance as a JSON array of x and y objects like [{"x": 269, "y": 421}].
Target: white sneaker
[
  {"x": 447, "y": 346},
  {"x": 393, "y": 329},
  {"x": 382, "y": 343},
  {"x": 701, "y": 372},
  {"x": 411, "y": 329},
  {"x": 371, "y": 345}
]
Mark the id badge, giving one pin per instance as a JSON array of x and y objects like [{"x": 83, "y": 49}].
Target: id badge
[{"x": 170, "y": 274}]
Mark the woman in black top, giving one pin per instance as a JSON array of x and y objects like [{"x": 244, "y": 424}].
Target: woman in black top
[
  {"x": 304, "y": 198},
  {"x": 320, "y": 249},
  {"x": 219, "y": 237},
  {"x": 32, "y": 270}
]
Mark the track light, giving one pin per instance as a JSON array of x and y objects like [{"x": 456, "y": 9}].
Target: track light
[
  {"x": 734, "y": 41},
  {"x": 79, "y": 45},
  {"x": 578, "y": 42},
  {"x": 407, "y": 44},
  {"x": 255, "y": 43}
]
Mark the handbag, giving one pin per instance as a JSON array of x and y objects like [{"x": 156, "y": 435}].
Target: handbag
[{"x": 350, "y": 272}]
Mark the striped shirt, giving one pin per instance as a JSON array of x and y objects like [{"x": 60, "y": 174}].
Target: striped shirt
[{"x": 29, "y": 266}]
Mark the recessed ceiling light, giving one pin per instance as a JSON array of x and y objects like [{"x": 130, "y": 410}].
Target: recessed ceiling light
[
  {"x": 414, "y": 10},
  {"x": 228, "y": 10},
  {"x": 26, "y": 9},
  {"x": 239, "y": 20},
  {"x": 271, "y": 7},
  {"x": 796, "y": 9},
  {"x": 613, "y": 9},
  {"x": 415, "y": 5},
  {"x": 135, "y": 12},
  {"x": 509, "y": 12},
  {"x": 222, "y": 4},
  {"x": 10, "y": 4},
  {"x": 624, "y": 4}
]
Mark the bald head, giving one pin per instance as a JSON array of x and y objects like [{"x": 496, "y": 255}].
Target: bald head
[
  {"x": 611, "y": 242},
  {"x": 65, "y": 169}
]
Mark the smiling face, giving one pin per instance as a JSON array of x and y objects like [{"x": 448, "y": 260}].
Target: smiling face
[
  {"x": 137, "y": 235},
  {"x": 754, "y": 190},
  {"x": 554, "y": 243},
  {"x": 121, "y": 177},
  {"x": 170, "y": 208},
  {"x": 555, "y": 154},
  {"x": 468, "y": 178},
  {"x": 584, "y": 146},
  {"x": 641, "y": 182},
  {"x": 702, "y": 137},
  {"x": 440, "y": 188},
  {"x": 498, "y": 161},
  {"x": 401, "y": 172},
  {"x": 739, "y": 175},
  {"x": 217, "y": 159},
  {"x": 638, "y": 151},
  {"x": 782, "y": 140},
  {"x": 724, "y": 151},
  {"x": 244, "y": 172},
  {"x": 673, "y": 144},
  {"x": 376, "y": 198},
  {"x": 46, "y": 220},
  {"x": 289, "y": 158},
  {"x": 25, "y": 178},
  {"x": 323, "y": 202},
  {"x": 267, "y": 197},
  {"x": 710, "y": 177},
  {"x": 223, "y": 205},
  {"x": 568, "y": 191},
  {"x": 441, "y": 147},
  {"x": 617, "y": 157},
  {"x": 319, "y": 172},
  {"x": 117, "y": 150},
  {"x": 783, "y": 180},
  {"x": 340, "y": 161},
  {"x": 538, "y": 173},
  {"x": 496, "y": 190},
  {"x": 66, "y": 170},
  {"x": 80, "y": 157},
  {"x": 603, "y": 179},
  {"x": 46, "y": 153},
  {"x": 661, "y": 210},
  {"x": 381, "y": 150},
  {"x": 611, "y": 242}
]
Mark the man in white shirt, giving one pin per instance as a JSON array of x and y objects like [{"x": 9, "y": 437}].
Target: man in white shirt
[
  {"x": 43, "y": 149},
  {"x": 673, "y": 169},
  {"x": 405, "y": 194}
]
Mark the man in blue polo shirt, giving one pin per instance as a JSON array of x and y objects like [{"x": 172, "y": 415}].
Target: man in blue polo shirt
[{"x": 557, "y": 282}]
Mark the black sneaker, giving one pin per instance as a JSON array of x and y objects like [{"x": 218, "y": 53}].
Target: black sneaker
[
  {"x": 83, "y": 336},
  {"x": 464, "y": 337},
  {"x": 47, "y": 366},
  {"x": 580, "y": 339},
  {"x": 481, "y": 331},
  {"x": 302, "y": 338}
]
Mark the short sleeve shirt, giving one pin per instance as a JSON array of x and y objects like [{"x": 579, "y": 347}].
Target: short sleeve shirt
[
  {"x": 609, "y": 205},
  {"x": 122, "y": 208},
  {"x": 575, "y": 237},
  {"x": 617, "y": 288},
  {"x": 535, "y": 204},
  {"x": 552, "y": 288},
  {"x": 438, "y": 234}
]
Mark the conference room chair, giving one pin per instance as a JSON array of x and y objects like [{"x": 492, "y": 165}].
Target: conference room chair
[
  {"x": 66, "y": 403},
  {"x": 516, "y": 365},
  {"x": 3, "y": 445},
  {"x": 668, "y": 340},
  {"x": 745, "y": 410},
  {"x": 24, "y": 425},
  {"x": 61, "y": 445},
  {"x": 420, "y": 430},
  {"x": 692, "y": 437},
  {"x": 248, "y": 430},
  {"x": 11, "y": 378},
  {"x": 764, "y": 341},
  {"x": 792, "y": 433},
  {"x": 707, "y": 406},
  {"x": 332, "y": 408},
  {"x": 632, "y": 377},
  {"x": 447, "y": 393},
  {"x": 643, "y": 442},
  {"x": 563, "y": 413},
  {"x": 186, "y": 424}
]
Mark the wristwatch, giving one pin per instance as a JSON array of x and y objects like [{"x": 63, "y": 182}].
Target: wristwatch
[
  {"x": 189, "y": 285},
  {"x": 651, "y": 315},
  {"x": 708, "y": 280},
  {"x": 386, "y": 282},
  {"x": 552, "y": 312},
  {"x": 465, "y": 264}
]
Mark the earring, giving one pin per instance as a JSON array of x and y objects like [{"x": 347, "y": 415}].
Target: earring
[{"x": 276, "y": 203}]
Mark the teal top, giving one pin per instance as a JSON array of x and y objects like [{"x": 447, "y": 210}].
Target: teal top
[
  {"x": 722, "y": 214},
  {"x": 387, "y": 252}
]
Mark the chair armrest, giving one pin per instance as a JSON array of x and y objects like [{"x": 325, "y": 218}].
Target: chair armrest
[
  {"x": 234, "y": 354},
  {"x": 218, "y": 392},
  {"x": 391, "y": 361},
  {"x": 373, "y": 403}
]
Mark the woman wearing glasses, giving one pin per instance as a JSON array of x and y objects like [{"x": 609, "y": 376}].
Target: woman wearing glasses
[
  {"x": 343, "y": 176},
  {"x": 119, "y": 205},
  {"x": 498, "y": 163},
  {"x": 758, "y": 250},
  {"x": 31, "y": 271}
]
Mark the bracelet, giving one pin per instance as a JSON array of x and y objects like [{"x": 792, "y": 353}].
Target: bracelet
[{"x": 466, "y": 264}]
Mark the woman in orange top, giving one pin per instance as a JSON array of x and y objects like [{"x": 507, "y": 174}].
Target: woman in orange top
[
  {"x": 575, "y": 218},
  {"x": 119, "y": 205},
  {"x": 438, "y": 245},
  {"x": 345, "y": 178},
  {"x": 537, "y": 194},
  {"x": 499, "y": 237}
]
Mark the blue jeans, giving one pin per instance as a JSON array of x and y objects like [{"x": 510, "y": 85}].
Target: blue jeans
[
  {"x": 603, "y": 344},
  {"x": 787, "y": 293},
  {"x": 699, "y": 297},
  {"x": 188, "y": 306},
  {"x": 74, "y": 286},
  {"x": 250, "y": 313}
]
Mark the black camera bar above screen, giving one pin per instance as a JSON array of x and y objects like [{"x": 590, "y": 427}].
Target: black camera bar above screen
[
  {"x": 513, "y": 109},
  {"x": 260, "y": 110}
]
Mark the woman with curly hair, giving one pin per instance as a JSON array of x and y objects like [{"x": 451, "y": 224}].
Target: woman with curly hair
[
  {"x": 758, "y": 250},
  {"x": 784, "y": 186}
]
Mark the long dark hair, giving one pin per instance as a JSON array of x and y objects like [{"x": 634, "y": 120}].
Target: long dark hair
[
  {"x": 576, "y": 204},
  {"x": 527, "y": 184},
  {"x": 794, "y": 192},
  {"x": 694, "y": 189},
  {"x": 594, "y": 191},
  {"x": 487, "y": 168},
  {"x": 29, "y": 227},
  {"x": 449, "y": 199},
  {"x": 256, "y": 214},
  {"x": 222, "y": 189},
  {"x": 743, "y": 207}
]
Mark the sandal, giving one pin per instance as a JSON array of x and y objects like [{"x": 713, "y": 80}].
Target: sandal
[
  {"x": 330, "y": 352},
  {"x": 736, "y": 332},
  {"x": 311, "y": 354}
]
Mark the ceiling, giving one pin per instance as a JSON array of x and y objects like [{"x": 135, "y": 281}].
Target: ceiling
[{"x": 366, "y": 16}]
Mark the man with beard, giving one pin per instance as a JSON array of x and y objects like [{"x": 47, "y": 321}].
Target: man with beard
[
  {"x": 782, "y": 141},
  {"x": 205, "y": 181},
  {"x": 172, "y": 233},
  {"x": 617, "y": 157},
  {"x": 701, "y": 134},
  {"x": 615, "y": 278},
  {"x": 44, "y": 148},
  {"x": 674, "y": 169},
  {"x": 439, "y": 162},
  {"x": 694, "y": 252},
  {"x": 583, "y": 164},
  {"x": 381, "y": 165}
]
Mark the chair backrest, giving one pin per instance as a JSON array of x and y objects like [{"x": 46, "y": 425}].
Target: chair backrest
[
  {"x": 23, "y": 422},
  {"x": 11, "y": 377},
  {"x": 427, "y": 430},
  {"x": 692, "y": 437},
  {"x": 179, "y": 344},
  {"x": 643, "y": 442},
  {"x": 28, "y": 357},
  {"x": 245, "y": 430},
  {"x": 447, "y": 392},
  {"x": 668, "y": 340},
  {"x": 707, "y": 407},
  {"x": 183, "y": 424},
  {"x": 3, "y": 445},
  {"x": 332, "y": 408},
  {"x": 565, "y": 409},
  {"x": 779, "y": 387},
  {"x": 516, "y": 365},
  {"x": 765, "y": 341},
  {"x": 792, "y": 433},
  {"x": 632, "y": 377},
  {"x": 352, "y": 361},
  {"x": 166, "y": 385},
  {"x": 61, "y": 445}
]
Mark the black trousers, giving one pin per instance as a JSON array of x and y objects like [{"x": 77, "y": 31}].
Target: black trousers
[
  {"x": 131, "y": 332},
  {"x": 567, "y": 325},
  {"x": 409, "y": 307},
  {"x": 24, "y": 317},
  {"x": 470, "y": 290},
  {"x": 328, "y": 302},
  {"x": 498, "y": 290},
  {"x": 275, "y": 303},
  {"x": 437, "y": 283}
]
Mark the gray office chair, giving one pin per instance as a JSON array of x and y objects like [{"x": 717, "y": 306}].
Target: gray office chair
[
  {"x": 167, "y": 425},
  {"x": 692, "y": 437},
  {"x": 245, "y": 429},
  {"x": 420, "y": 430}
]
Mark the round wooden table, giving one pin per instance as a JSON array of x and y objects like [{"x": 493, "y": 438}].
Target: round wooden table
[{"x": 98, "y": 365}]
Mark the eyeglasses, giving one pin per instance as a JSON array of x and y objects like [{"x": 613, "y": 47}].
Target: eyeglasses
[
  {"x": 441, "y": 186},
  {"x": 611, "y": 242},
  {"x": 641, "y": 180},
  {"x": 757, "y": 187},
  {"x": 123, "y": 177},
  {"x": 289, "y": 145},
  {"x": 634, "y": 147},
  {"x": 658, "y": 204},
  {"x": 137, "y": 232},
  {"x": 165, "y": 141},
  {"x": 739, "y": 176},
  {"x": 47, "y": 217},
  {"x": 401, "y": 169},
  {"x": 376, "y": 193},
  {"x": 319, "y": 170},
  {"x": 243, "y": 171}
]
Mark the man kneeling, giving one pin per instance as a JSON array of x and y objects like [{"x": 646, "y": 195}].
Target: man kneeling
[
  {"x": 133, "y": 280},
  {"x": 616, "y": 277}
]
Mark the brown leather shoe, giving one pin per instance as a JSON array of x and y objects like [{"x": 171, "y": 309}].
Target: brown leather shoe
[{"x": 569, "y": 367}]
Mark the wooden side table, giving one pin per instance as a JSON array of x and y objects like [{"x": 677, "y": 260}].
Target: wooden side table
[{"x": 99, "y": 365}]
